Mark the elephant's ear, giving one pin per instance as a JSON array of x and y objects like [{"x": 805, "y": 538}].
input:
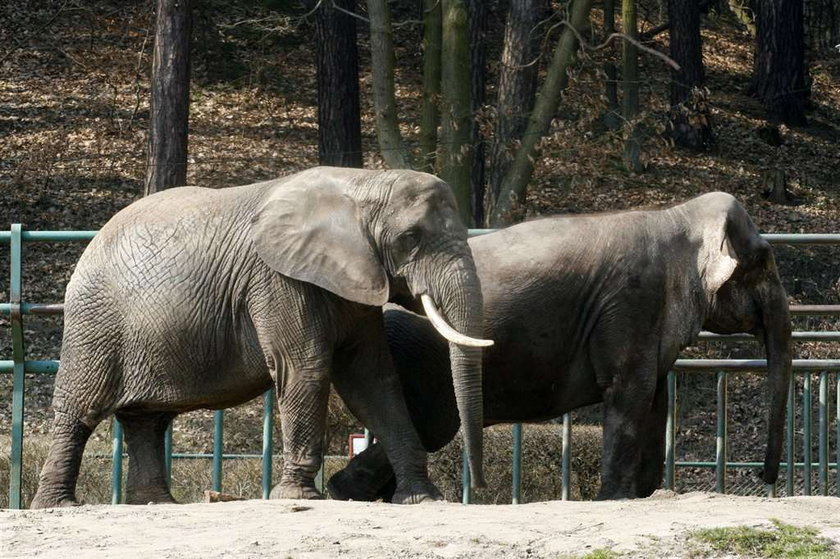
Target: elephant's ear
[
  {"x": 718, "y": 258},
  {"x": 314, "y": 233}
]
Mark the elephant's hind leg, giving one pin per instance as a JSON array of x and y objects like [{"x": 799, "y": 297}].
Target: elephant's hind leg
[
  {"x": 147, "y": 480},
  {"x": 57, "y": 483}
]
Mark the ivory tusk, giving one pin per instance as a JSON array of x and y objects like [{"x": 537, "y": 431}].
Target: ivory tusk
[{"x": 446, "y": 330}]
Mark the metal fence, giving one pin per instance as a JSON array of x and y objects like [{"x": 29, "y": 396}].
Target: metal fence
[{"x": 19, "y": 367}]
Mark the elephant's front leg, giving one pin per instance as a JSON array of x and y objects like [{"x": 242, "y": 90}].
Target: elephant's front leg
[
  {"x": 365, "y": 378},
  {"x": 303, "y": 393}
]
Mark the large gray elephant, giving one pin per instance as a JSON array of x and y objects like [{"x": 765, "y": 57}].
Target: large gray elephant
[
  {"x": 596, "y": 308},
  {"x": 202, "y": 298}
]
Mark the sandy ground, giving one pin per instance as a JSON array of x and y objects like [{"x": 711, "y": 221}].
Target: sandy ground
[{"x": 654, "y": 527}]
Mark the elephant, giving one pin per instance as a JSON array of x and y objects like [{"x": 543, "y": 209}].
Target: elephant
[
  {"x": 204, "y": 298},
  {"x": 596, "y": 308}
]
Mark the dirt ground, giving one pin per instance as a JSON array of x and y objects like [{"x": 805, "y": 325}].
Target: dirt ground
[{"x": 653, "y": 527}]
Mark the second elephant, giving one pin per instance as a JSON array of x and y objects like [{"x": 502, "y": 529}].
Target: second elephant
[{"x": 596, "y": 308}]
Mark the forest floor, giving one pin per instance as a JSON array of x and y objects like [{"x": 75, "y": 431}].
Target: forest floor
[{"x": 74, "y": 106}]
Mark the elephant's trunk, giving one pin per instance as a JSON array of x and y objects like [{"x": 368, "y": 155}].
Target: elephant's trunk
[
  {"x": 461, "y": 302},
  {"x": 776, "y": 326}
]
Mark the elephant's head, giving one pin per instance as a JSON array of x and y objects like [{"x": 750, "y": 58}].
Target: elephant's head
[
  {"x": 744, "y": 294},
  {"x": 385, "y": 236}
]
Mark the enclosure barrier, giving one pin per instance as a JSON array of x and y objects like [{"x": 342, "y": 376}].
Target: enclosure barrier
[{"x": 18, "y": 366}]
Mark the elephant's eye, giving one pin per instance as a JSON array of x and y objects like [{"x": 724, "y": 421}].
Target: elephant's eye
[{"x": 410, "y": 241}]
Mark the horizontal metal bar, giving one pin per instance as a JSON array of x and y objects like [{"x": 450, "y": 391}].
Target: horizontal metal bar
[
  {"x": 797, "y": 336},
  {"x": 802, "y": 238},
  {"x": 774, "y": 238},
  {"x": 34, "y": 308},
  {"x": 824, "y": 310},
  {"x": 32, "y": 367},
  {"x": 47, "y": 236},
  {"x": 742, "y": 464},
  {"x": 753, "y": 364}
]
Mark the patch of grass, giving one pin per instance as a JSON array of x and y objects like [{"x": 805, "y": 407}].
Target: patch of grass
[
  {"x": 784, "y": 540},
  {"x": 601, "y": 553}
]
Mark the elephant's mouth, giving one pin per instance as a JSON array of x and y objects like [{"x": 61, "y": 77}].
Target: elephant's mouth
[{"x": 446, "y": 330}]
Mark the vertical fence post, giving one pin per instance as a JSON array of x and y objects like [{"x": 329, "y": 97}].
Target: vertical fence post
[
  {"x": 167, "y": 454},
  {"x": 566, "y": 460},
  {"x": 218, "y": 442},
  {"x": 466, "y": 490},
  {"x": 116, "y": 462},
  {"x": 268, "y": 441},
  {"x": 670, "y": 430},
  {"x": 791, "y": 438},
  {"x": 837, "y": 439},
  {"x": 721, "y": 442},
  {"x": 806, "y": 433},
  {"x": 18, "y": 355},
  {"x": 823, "y": 435},
  {"x": 516, "y": 490}
]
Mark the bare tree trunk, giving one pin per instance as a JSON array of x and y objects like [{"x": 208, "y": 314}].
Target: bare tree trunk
[
  {"x": 517, "y": 89},
  {"x": 612, "y": 119},
  {"x": 630, "y": 79},
  {"x": 456, "y": 153},
  {"x": 689, "y": 106},
  {"x": 512, "y": 193},
  {"x": 779, "y": 71},
  {"x": 339, "y": 124},
  {"x": 430, "y": 113},
  {"x": 382, "y": 59},
  {"x": 170, "y": 97},
  {"x": 478, "y": 95}
]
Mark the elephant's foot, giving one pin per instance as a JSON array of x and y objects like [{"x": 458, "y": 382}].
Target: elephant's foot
[
  {"x": 414, "y": 492},
  {"x": 289, "y": 491},
  {"x": 150, "y": 497},
  {"x": 44, "y": 501}
]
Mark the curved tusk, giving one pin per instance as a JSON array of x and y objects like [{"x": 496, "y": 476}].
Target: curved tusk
[{"x": 446, "y": 330}]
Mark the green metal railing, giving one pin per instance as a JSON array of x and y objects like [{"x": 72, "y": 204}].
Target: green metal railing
[{"x": 19, "y": 367}]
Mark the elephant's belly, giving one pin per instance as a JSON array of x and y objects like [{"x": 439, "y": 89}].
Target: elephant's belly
[{"x": 537, "y": 391}]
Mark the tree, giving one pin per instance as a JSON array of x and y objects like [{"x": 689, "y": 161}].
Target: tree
[
  {"x": 454, "y": 163},
  {"x": 517, "y": 88},
  {"x": 612, "y": 119},
  {"x": 170, "y": 97},
  {"x": 630, "y": 81},
  {"x": 382, "y": 57},
  {"x": 515, "y": 182},
  {"x": 478, "y": 96},
  {"x": 779, "y": 79},
  {"x": 430, "y": 113},
  {"x": 339, "y": 124},
  {"x": 689, "y": 109}
]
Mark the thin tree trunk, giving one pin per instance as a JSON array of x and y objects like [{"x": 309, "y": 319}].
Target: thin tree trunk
[
  {"x": 512, "y": 193},
  {"x": 456, "y": 153},
  {"x": 689, "y": 107},
  {"x": 170, "y": 97},
  {"x": 630, "y": 80},
  {"x": 339, "y": 124},
  {"x": 612, "y": 119},
  {"x": 384, "y": 100},
  {"x": 478, "y": 95},
  {"x": 779, "y": 71},
  {"x": 517, "y": 89},
  {"x": 430, "y": 112}
]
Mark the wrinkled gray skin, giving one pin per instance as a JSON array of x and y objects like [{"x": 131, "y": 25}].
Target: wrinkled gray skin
[
  {"x": 595, "y": 309},
  {"x": 202, "y": 298}
]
